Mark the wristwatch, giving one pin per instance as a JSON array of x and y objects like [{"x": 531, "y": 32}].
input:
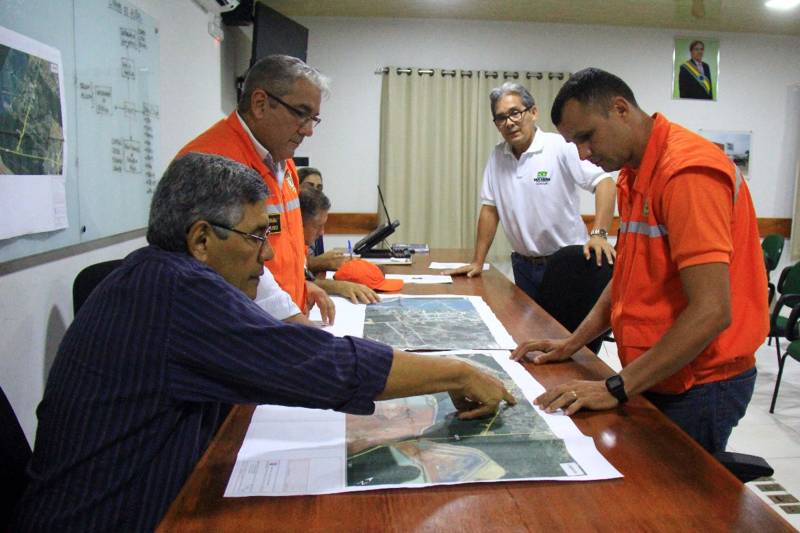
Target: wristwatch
[
  {"x": 616, "y": 387},
  {"x": 600, "y": 232}
]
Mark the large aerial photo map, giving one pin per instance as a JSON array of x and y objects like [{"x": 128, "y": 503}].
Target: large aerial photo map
[
  {"x": 428, "y": 324},
  {"x": 419, "y": 441},
  {"x": 31, "y": 130}
]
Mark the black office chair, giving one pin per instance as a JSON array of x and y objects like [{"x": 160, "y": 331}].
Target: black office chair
[
  {"x": 13, "y": 460},
  {"x": 570, "y": 287},
  {"x": 88, "y": 278}
]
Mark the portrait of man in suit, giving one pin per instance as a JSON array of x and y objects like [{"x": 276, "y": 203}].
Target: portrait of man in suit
[{"x": 695, "y": 69}]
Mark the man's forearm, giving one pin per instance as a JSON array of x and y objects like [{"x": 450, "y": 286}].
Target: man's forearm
[
  {"x": 487, "y": 227},
  {"x": 605, "y": 195},
  {"x": 406, "y": 378}
]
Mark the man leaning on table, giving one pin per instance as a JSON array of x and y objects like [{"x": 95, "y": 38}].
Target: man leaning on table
[
  {"x": 530, "y": 185},
  {"x": 688, "y": 299},
  {"x": 171, "y": 337}
]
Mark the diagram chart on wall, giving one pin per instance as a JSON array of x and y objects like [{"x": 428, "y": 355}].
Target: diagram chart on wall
[
  {"x": 414, "y": 442},
  {"x": 118, "y": 110},
  {"x": 32, "y": 137}
]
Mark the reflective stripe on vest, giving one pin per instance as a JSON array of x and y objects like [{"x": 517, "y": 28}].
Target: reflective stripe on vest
[
  {"x": 643, "y": 228},
  {"x": 278, "y": 208}
]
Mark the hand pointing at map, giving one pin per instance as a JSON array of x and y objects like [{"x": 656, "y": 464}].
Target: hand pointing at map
[{"x": 474, "y": 393}]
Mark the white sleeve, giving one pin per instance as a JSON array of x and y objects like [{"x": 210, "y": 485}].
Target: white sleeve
[
  {"x": 587, "y": 175},
  {"x": 274, "y": 300},
  {"x": 487, "y": 189}
]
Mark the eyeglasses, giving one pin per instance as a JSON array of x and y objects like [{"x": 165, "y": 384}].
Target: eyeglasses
[
  {"x": 260, "y": 239},
  {"x": 513, "y": 115},
  {"x": 299, "y": 113}
]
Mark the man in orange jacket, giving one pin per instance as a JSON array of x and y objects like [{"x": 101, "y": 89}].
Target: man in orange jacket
[
  {"x": 688, "y": 299},
  {"x": 279, "y": 107}
]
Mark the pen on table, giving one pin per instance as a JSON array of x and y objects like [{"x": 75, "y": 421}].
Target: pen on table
[{"x": 350, "y": 249}]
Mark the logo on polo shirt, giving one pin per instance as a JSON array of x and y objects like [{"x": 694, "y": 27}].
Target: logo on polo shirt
[{"x": 541, "y": 178}]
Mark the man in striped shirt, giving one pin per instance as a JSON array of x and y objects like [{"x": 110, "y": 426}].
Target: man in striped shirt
[{"x": 172, "y": 337}]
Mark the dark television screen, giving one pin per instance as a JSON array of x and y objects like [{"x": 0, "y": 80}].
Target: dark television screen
[{"x": 274, "y": 33}]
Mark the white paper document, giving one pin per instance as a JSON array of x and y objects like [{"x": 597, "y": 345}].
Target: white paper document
[
  {"x": 414, "y": 442},
  {"x": 421, "y": 279},
  {"x": 388, "y": 260},
  {"x": 435, "y": 265}
]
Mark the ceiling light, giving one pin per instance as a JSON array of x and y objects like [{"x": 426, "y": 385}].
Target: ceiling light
[{"x": 782, "y": 4}]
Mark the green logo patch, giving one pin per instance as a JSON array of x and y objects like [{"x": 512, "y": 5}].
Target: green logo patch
[{"x": 542, "y": 178}]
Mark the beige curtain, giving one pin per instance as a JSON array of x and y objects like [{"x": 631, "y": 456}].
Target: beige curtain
[{"x": 436, "y": 135}]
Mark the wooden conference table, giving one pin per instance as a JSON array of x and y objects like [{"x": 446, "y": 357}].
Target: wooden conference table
[{"x": 669, "y": 484}]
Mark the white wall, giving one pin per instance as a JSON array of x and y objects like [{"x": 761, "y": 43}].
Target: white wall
[
  {"x": 36, "y": 303},
  {"x": 755, "y": 72}
]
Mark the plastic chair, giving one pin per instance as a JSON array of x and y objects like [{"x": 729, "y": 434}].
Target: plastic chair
[
  {"x": 570, "y": 287},
  {"x": 88, "y": 278},
  {"x": 788, "y": 285},
  {"x": 13, "y": 460},
  {"x": 772, "y": 246},
  {"x": 792, "y": 333}
]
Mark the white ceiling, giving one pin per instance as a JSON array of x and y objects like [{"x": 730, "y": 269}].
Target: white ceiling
[{"x": 750, "y": 16}]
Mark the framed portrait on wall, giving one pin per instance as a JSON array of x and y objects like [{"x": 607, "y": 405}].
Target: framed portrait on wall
[{"x": 695, "y": 68}]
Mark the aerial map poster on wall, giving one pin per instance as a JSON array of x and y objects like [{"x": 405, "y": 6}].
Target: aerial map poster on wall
[
  {"x": 33, "y": 146},
  {"x": 414, "y": 442}
]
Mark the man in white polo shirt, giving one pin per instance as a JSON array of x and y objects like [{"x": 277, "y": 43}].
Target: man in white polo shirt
[{"x": 531, "y": 185}]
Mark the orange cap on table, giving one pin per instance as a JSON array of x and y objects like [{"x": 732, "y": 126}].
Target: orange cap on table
[{"x": 366, "y": 273}]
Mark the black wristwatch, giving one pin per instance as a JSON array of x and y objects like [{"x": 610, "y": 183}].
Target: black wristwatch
[{"x": 616, "y": 387}]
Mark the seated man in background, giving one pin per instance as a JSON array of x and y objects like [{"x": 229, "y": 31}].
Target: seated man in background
[
  {"x": 171, "y": 336},
  {"x": 314, "y": 206},
  {"x": 319, "y": 260}
]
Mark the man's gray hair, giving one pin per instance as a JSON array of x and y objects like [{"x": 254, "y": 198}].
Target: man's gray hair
[
  {"x": 510, "y": 87},
  {"x": 200, "y": 187},
  {"x": 277, "y": 74},
  {"x": 313, "y": 202}
]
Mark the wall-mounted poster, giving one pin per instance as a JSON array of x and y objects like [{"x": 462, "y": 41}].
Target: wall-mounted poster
[
  {"x": 695, "y": 68},
  {"x": 735, "y": 144}
]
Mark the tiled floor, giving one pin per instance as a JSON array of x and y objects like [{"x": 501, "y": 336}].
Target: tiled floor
[{"x": 775, "y": 437}]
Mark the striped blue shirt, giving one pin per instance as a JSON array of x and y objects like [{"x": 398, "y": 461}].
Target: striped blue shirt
[{"x": 142, "y": 376}]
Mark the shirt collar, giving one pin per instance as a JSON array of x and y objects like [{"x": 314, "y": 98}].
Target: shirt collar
[
  {"x": 263, "y": 153},
  {"x": 536, "y": 146}
]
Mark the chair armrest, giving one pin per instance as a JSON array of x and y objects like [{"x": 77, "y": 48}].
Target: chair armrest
[
  {"x": 745, "y": 467},
  {"x": 785, "y": 300}
]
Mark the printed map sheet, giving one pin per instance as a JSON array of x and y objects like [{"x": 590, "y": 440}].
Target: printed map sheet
[
  {"x": 435, "y": 322},
  {"x": 414, "y": 442}
]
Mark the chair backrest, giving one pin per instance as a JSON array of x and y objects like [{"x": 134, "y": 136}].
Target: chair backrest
[
  {"x": 13, "y": 460},
  {"x": 772, "y": 245},
  {"x": 88, "y": 278},
  {"x": 571, "y": 285},
  {"x": 789, "y": 282}
]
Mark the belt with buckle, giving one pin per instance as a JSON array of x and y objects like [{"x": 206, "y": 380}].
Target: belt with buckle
[{"x": 534, "y": 259}]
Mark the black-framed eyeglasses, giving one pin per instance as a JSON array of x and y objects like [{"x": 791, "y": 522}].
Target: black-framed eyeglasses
[
  {"x": 260, "y": 239},
  {"x": 299, "y": 113},
  {"x": 513, "y": 115}
]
